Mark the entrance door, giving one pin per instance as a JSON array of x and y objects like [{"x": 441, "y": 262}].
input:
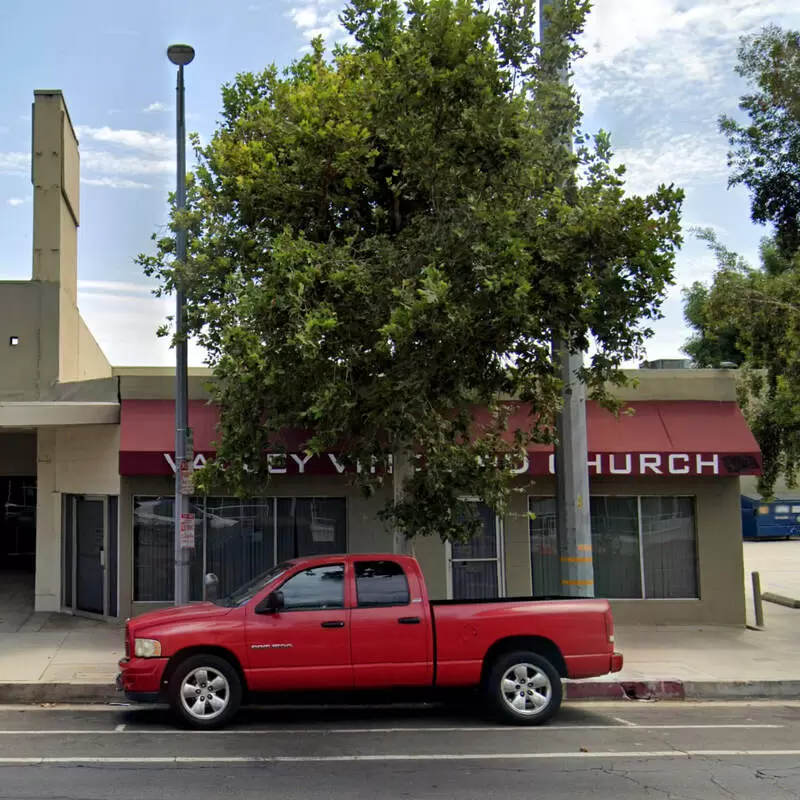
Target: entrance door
[
  {"x": 476, "y": 567},
  {"x": 90, "y": 533},
  {"x": 90, "y": 555}
]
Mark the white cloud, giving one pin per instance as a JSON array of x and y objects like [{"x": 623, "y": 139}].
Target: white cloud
[
  {"x": 18, "y": 201},
  {"x": 157, "y": 107},
  {"x": 131, "y": 153},
  {"x": 124, "y": 321},
  {"x": 660, "y": 156},
  {"x": 318, "y": 18},
  {"x": 115, "y": 183},
  {"x": 115, "y": 287},
  {"x": 15, "y": 163},
  {"x": 152, "y": 143}
]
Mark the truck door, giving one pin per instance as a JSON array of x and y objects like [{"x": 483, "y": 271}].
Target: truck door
[
  {"x": 390, "y": 628},
  {"x": 306, "y": 645}
]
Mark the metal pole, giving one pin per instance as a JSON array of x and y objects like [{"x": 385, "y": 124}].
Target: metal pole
[
  {"x": 757, "y": 599},
  {"x": 573, "y": 519},
  {"x": 182, "y": 554}
]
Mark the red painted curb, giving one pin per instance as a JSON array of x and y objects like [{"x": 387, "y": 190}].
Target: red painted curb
[{"x": 625, "y": 690}]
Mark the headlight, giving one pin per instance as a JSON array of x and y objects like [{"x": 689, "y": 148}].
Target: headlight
[{"x": 147, "y": 648}]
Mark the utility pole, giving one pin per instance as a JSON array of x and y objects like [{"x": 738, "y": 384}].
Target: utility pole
[
  {"x": 573, "y": 519},
  {"x": 181, "y": 55}
]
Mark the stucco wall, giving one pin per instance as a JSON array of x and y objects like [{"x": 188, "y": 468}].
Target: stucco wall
[{"x": 80, "y": 460}]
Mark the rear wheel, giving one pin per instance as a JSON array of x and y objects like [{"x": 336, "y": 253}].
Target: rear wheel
[
  {"x": 523, "y": 688},
  {"x": 205, "y": 691}
]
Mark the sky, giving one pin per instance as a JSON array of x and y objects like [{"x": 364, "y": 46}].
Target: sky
[{"x": 657, "y": 75}]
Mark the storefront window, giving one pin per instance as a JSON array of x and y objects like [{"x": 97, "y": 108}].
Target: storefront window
[
  {"x": 642, "y": 547},
  {"x": 310, "y": 526},
  {"x": 154, "y": 553},
  {"x": 235, "y": 539}
]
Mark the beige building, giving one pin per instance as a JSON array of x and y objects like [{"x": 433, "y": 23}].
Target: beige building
[{"x": 87, "y": 471}]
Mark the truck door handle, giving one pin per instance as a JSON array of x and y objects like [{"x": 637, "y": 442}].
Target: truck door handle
[
  {"x": 335, "y": 623},
  {"x": 409, "y": 621}
]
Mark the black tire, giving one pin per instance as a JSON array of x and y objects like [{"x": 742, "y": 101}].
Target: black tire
[
  {"x": 542, "y": 683},
  {"x": 231, "y": 692}
]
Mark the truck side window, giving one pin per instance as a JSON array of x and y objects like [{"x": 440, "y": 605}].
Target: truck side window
[
  {"x": 381, "y": 583},
  {"x": 315, "y": 589}
]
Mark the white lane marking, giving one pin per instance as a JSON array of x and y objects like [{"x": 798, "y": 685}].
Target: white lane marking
[
  {"x": 123, "y": 729},
  {"x": 625, "y": 722},
  {"x": 212, "y": 760}
]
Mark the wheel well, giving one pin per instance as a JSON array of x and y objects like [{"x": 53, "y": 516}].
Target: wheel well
[
  {"x": 536, "y": 644},
  {"x": 220, "y": 652}
]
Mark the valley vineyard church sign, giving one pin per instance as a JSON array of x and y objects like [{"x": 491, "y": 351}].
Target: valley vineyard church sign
[{"x": 537, "y": 463}]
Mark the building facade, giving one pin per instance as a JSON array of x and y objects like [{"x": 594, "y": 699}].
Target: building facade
[{"x": 87, "y": 471}]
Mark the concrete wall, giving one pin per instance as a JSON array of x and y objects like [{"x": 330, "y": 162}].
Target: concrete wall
[
  {"x": 20, "y": 317},
  {"x": 680, "y": 384},
  {"x": 157, "y": 383},
  {"x": 69, "y": 351},
  {"x": 80, "y": 460}
]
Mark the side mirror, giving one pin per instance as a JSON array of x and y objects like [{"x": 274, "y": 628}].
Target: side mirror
[
  {"x": 211, "y": 583},
  {"x": 271, "y": 604}
]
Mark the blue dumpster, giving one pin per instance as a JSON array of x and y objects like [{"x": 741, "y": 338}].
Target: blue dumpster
[{"x": 779, "y": 519}]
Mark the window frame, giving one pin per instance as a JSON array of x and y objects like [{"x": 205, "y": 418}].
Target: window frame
[
  {"x": 639, "y": 496},
  {"x": 403, "y": 573}
]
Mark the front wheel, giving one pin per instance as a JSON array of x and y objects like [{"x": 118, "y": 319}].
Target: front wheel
[
  {"x": 205, "y": 691},
  {"x": 523, "y": 688}
]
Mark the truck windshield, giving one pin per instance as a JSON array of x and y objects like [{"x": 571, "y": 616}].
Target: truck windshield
[{"x": 247, "y": 591}]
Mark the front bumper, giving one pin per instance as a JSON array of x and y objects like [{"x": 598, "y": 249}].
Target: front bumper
[
  {"x": 616, "y": 662},
  {"x": 141, "y": 678}
]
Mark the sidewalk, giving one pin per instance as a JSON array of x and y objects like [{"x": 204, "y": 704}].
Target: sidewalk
[{"x": 57, "y": 658}]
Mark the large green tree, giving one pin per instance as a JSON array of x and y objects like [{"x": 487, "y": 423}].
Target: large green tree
[
  {"x": 765, "y": 149},
  {"x": 750, "y": 315},
  {"x": 384, "y": 237}
]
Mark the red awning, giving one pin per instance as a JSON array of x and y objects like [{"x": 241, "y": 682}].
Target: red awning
[{"x": 677, "y": 438}]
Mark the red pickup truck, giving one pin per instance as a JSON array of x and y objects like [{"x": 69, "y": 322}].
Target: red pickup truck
[{"x": 356, "y": 624}]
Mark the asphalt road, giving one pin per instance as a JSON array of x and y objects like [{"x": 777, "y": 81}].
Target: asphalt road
[{"x": 676, "y": 751}]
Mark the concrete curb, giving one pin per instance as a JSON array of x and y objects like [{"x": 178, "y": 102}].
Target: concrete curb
[
  {"x": 673, "y": 690},
  {"x": 579, "y": 691},
  {"x": 36, "y": 693}
]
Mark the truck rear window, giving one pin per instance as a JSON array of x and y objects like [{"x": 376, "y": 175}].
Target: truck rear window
[{"x": 381, "y": 583}]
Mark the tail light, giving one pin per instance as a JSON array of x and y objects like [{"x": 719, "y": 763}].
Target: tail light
[{"x": 609, "y": 626}]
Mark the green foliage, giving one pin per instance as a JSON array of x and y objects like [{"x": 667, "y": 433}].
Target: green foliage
[
  {"x": 755, "y": 313},
  {"x": 748, "y": 315},
  {"x": 382, "y": 238},
  {"x": 765, "y": 154}
]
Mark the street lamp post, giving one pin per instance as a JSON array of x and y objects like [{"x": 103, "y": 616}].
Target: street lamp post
[{"x": 181, "y": 55}]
